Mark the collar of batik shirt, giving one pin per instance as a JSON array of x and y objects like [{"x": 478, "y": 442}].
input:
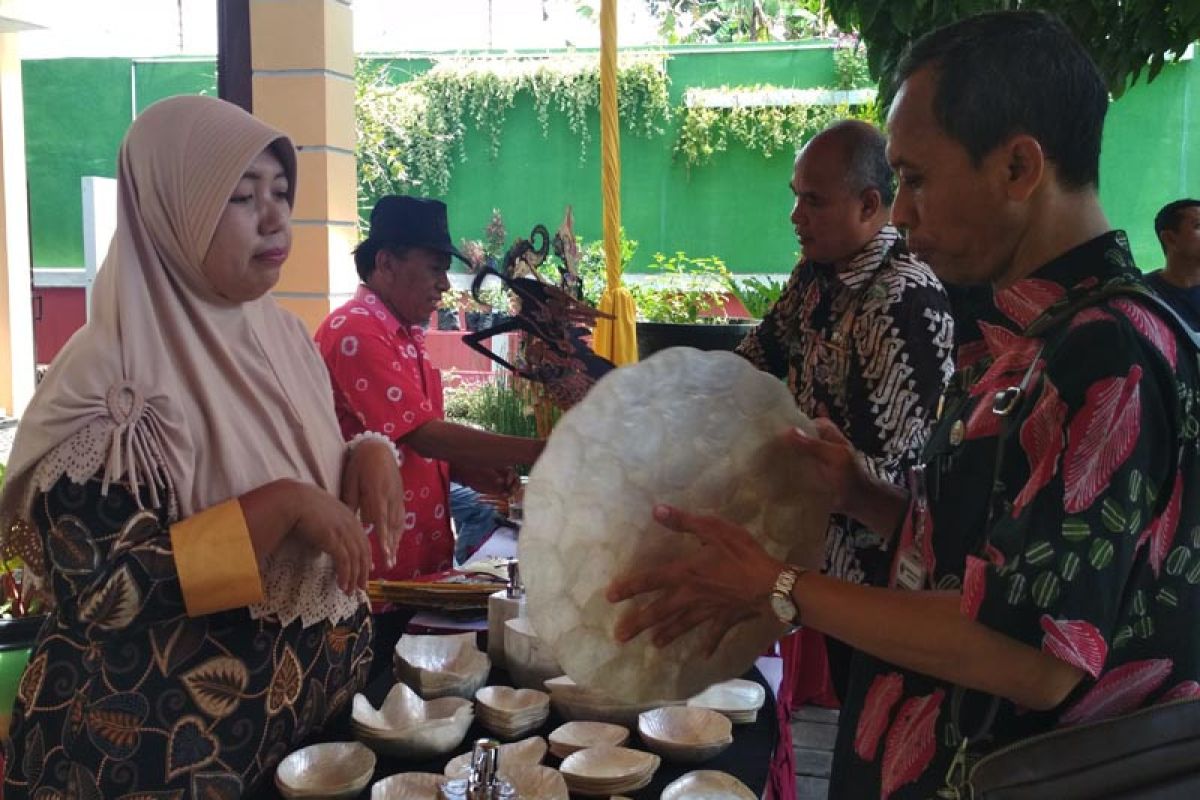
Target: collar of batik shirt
[
  {"x": 375, "y": 303},
  {"x": 860, "y": 268},
  {"x": 1075, "y": 272}
]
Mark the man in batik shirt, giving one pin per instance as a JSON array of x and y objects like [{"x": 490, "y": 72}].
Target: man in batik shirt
[
  {"x": 862, "y": 332},
  {"x": 1051, "y": 560}
]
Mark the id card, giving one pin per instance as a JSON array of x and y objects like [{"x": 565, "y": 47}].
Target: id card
[{"x": 910, "y": 570}]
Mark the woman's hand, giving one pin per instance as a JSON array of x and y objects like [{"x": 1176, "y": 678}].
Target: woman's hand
[
  {"x": 729, "y": 579},
  {"x": 371, "y": 486},
  {"x": 327, "y": 524}
]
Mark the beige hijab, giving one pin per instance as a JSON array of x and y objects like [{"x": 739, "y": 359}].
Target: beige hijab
[{"x": 169, "y": 386}]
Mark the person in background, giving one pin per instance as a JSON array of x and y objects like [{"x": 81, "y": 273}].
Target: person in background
[
  {"x": 1177, "y": 226},
  {"x": 862, "y": 332},
  {"x": 863, "y": 335},
  {"x": 384, "y": 383},
  {"x": 179, "y": 483},
  {"x": 474, "y": 521},
  {"x": 1042, "y": 561}
]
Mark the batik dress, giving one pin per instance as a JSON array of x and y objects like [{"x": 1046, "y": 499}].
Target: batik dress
[
  {"x": 127, "y": 696},
  {"x": 1089, "y": 548}
]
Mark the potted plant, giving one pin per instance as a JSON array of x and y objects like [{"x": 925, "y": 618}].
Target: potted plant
[
  {"x": 756, "y": 294},
  {"x": 21, "y": 618},
  {"x": 682, "y": 305},
  {"x": 496, "y": 298},
  {"x": 478, "y": 315},
  {"x": 685, "y": 306},
  {"x": 448, "y": 311}
]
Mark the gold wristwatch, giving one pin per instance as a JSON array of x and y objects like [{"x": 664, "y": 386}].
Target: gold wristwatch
[{"x": 781, "y": 596}]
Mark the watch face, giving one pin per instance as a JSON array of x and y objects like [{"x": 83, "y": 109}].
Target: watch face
[{"x": 783, "y": 607}]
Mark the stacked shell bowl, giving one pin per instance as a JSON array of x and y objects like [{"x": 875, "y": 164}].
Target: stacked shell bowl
[
  {"x": 571, "y": 737},
  {"x": 529, "y": 751},
  {"x": 520, "y": 765},
  {"x": 738, "y": 699},
  {"x": 510, "y": 713},
  {"x": 535, "y": 782},
  {"x": 605, "y": 771},
  {"x": 685, "y": 734},
  {"x": 574, "y": 702},
  {"x": 441, "y": 666},
  {"x": 406, "y": 726}
]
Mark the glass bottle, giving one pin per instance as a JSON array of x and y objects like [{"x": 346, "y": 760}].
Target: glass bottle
[{"x": 484, "y": 781}]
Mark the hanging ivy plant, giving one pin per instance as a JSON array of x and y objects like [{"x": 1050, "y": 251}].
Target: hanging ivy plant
[
  {"x": 392, "y": 133},
  {"x": 852, "y": 67},
  {"x": 765, "y": 124},
  {"x": 765, "y": 129},
  {"x": 411, "y": 134}
]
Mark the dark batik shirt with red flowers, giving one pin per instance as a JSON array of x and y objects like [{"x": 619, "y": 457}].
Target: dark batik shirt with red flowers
[{"x": 1092, "y": 550}]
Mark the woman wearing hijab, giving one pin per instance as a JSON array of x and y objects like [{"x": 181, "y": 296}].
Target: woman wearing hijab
[{"x": 175, "y": 485}]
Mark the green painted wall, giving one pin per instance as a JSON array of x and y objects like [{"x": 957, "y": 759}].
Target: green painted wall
[
  {"x": 736, "y": 207},
  {"x": 76, "y": 113},
  {"x": 156, "y": 80},
  {"x": 1151, "y": 154},
  {"x": 77, "y": 110}
]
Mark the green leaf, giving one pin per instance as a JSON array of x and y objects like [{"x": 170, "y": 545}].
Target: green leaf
[
  {"x": 867, "y": 11},
  {"x": 902, "y": 17}
]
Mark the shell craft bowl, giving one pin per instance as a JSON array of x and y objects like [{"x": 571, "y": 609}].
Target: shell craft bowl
[
  {"x": 406, "y": 726},
  {"x": 535, "y": 782},
  {"x": 525, "y": 752},
  {"x": 441, "y": 666},
  {"x": 605, "y": 771},
  {"x": 511, "y": 713},
  {"x": 738, "y": 699},
  {"x": 574, "y": 702},
  {"x": 331, "y": 770},
  {"x": 530, "y": 660},
  {"x": 707, "y": 784},
  {"x": 408, "y": 786},
  {"x": 571, "y": 737},
  {"x": 684, "y": 733}
]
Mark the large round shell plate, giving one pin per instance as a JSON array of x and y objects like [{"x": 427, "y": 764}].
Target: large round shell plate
[{"x": 700, "y": 430}]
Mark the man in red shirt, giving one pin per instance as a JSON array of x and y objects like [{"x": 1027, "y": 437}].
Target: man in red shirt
[{"x": 383, "y": 382}]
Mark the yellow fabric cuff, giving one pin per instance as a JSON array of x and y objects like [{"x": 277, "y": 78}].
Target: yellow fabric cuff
[{"x": 215, "y": 560}]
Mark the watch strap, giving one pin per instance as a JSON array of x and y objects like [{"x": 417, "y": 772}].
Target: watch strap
[{"x": 783, "y": 588}]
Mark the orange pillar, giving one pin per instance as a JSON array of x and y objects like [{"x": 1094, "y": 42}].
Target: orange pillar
[
  {"x": 302, "y": 56},
  {"x": 17, "y": 377}
]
